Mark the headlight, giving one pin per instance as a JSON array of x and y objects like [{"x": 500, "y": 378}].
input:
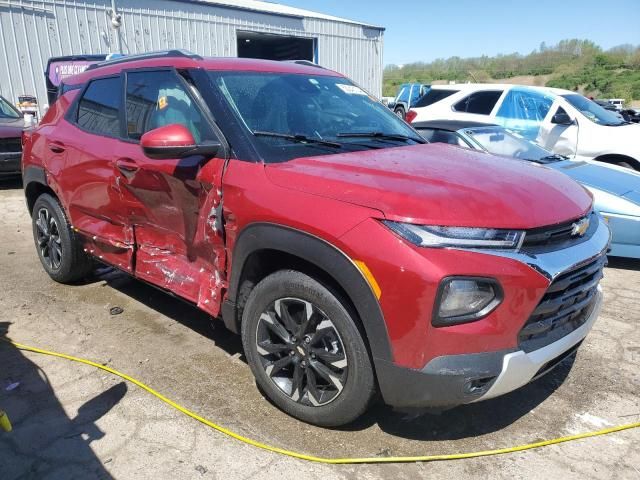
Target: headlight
[
  {"x": 468, "y": 237},
  {"x": 465, "y": 299}
]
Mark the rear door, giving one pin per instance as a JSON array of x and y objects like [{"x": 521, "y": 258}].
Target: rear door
[
  {"x": 171, "y": 204},
  {"x": 87, "y": 140}
]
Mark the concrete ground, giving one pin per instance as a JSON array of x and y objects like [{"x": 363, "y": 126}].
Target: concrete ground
[{"x": 74, "y": 421}]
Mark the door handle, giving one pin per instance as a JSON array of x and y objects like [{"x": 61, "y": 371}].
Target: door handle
[
  {"x": 56, "y": 147},
  {"x": 126, "y": 166}
]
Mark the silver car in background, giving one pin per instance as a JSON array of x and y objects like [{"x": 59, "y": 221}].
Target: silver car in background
[{"x": 616, "y": 190}]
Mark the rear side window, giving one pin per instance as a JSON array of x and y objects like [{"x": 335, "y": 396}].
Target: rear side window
[
  {"x": 481, "y": 103},
  {"x": 98, "y": 109},
  {"x": 433, "y": 96}
]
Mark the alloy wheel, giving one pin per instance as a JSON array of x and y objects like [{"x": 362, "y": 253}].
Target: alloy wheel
[
  {"x": 48, "y": 238},
  {"x": 301, "y": 351}
]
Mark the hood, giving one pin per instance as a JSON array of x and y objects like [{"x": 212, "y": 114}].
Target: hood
[
  {"x": 633, "y": 196},
  {"x": 11, "y": 128},
  {"x": 609, "y": 178},
  {"x": 439, "y": 184},
  {"x": 600, "y": 139}
]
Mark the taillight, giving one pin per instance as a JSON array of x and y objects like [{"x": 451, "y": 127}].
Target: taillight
[
  {"x": 23, "y": 138},
  {"x": 410, "y": 116}
]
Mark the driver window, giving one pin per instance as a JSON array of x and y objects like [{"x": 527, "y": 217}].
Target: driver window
[
  {"x": 156, "y": 99},
  {"x": 523, "y": 111}
]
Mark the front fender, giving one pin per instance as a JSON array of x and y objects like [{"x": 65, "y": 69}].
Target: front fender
[{"x": 325, "y": 256}]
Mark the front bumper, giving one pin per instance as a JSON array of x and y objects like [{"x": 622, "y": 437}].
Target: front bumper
[
  {"x": 10, "y": 163},
  {"x": 625, "y": 235},
  {"x": 519, "y": 368},
  {"x": 468, "y": 367},
  {"x": 452, "y": 380}
]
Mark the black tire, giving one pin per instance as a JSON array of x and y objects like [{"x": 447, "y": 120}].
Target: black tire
[
  {"x": 401, "y": 112},
  {"x": 625, "y": 165},
  {"x": 59, "y": 247},
  {"x": 332, "y": 348}
]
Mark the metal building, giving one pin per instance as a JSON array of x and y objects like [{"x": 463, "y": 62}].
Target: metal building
[{"x": 32, "y": 31}]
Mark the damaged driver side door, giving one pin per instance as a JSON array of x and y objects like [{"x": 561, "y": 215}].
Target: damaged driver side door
[{"x": 171, "y": 203}]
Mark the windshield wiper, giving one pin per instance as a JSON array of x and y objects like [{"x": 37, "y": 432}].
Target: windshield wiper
[
  {"x": 297, "y": 138},
  {"x": 382, "y": 135}
]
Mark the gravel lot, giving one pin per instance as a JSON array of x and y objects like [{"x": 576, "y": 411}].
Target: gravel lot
[{"x": 74, "y": 421}]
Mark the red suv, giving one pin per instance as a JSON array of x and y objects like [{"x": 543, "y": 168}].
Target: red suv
[{"x": 351, "y": 257}]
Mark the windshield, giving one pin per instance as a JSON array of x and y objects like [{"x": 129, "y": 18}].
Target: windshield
[
  {"x": 593, "y": 111},
  {"x": 293, "y": 115},
  {"x": 498, "y": 141},
  {"x": 7, "y": 110}
]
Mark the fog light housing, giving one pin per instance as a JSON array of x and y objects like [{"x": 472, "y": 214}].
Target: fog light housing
[{"x": 465, "y": 299}]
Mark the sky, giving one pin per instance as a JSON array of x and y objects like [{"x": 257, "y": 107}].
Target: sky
[{"x": 423, "y": 30}]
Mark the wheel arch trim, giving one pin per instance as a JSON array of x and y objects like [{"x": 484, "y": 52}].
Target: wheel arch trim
[
  {"x": 34, "y": 175},
  {"x": 614, "y": 158},
  {"x": 323, "y": 255}
]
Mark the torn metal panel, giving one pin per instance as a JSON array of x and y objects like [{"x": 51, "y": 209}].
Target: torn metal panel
[{"x": 114, "y": 244}]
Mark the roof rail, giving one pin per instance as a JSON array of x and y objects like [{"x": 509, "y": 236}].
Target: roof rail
[
  {"x": 146, "y": 56},
  {"x": 308, "y": 63}
]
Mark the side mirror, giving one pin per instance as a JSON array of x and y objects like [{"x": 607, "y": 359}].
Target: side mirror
[
  {"x": 174, "y": 141},
  {"x": 562, "y": 119}
]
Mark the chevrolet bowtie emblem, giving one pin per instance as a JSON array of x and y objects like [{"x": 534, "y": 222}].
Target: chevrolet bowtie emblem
[{"x": 580, "y": 227}]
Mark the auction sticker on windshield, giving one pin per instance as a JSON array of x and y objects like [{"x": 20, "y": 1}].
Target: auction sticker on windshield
[{"x": 350, "y": 89}]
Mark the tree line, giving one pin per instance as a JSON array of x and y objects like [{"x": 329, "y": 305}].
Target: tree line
[{"x": 574, "y": 64}]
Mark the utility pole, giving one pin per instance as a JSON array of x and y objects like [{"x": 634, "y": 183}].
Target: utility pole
[{"x": 116, "y": 23}]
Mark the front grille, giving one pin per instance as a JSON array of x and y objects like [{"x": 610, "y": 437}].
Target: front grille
[
  {"x": 10, "y": 145},
  {"x": 565, "y": 306},
  {"x": 554, "y": 236}
]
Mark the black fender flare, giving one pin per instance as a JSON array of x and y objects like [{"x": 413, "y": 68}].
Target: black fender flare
[
  {"x": 325, "y": 256},
  {"x": 33, "y": 175},
  {"x": 615, "y": 158}
]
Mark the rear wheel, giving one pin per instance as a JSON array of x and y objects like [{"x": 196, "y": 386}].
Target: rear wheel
[
  {"x": 59, "y": 248},
  {"x": 401, "y": 112},
  {"x": 306, "y": 351}
]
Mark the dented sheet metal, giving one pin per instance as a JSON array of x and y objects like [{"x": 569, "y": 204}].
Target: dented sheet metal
[{"x": 179, "y": 233}]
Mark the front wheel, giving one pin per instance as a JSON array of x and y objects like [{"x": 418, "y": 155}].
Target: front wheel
[
  {"x": 306, "y": 351},
  {"x": 400, "y": 111}
]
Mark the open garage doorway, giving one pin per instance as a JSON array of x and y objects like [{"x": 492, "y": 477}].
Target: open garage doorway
[{"x": 275, "y": 47}]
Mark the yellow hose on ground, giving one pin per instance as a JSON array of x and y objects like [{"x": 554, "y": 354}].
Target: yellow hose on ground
[
  {"x": 5, "y": 424},
  {"x": 312, "y": 458}
]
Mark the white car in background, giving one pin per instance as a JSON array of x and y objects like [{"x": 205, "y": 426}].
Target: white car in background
[{"x": 562, "y": 121}]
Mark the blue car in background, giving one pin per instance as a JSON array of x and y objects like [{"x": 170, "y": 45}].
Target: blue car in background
[
  {"x": 408, "y": 95},
  {"x": 616, "y": 190}
]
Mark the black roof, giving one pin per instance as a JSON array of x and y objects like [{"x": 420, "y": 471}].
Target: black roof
[{"x": 450, "y": 125}]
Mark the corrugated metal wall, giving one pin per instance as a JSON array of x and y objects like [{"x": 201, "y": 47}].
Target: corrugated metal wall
[{"x": 33, "y": 31}]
